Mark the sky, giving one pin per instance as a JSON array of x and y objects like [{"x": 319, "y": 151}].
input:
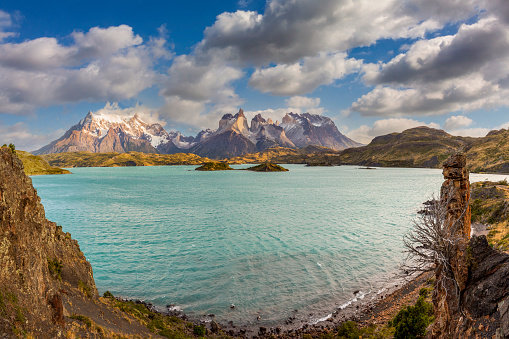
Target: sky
[{"x": 373, "y": 66}]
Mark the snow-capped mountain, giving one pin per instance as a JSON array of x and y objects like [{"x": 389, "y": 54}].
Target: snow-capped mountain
[
  {"x": 312, "y": 129},
  {"x": 111, "y": 133},
  {"x": 99, "y": 132}
]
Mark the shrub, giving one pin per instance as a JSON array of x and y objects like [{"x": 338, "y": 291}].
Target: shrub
[
  {"x": 82, "y": 318},
  {"x": 412, "y": 321},
  {"x": 108, "y": 294},
  {"x": 55, "y": 268},
  {"x": 12, "y": 147},
  {"x": 199, "y": 330}
]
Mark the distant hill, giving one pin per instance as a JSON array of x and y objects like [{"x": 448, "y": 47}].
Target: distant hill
[
  {"x": 415, "y": 147},
  {"x": 114, "y": 159},
  {"x": 490, "y": 154},
  {"x": 284, "y": 155},
  {"x": 35, "y": 165}
]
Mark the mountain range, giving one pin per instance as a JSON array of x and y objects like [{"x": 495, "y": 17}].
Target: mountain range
[{"x": 99, "y": 133}]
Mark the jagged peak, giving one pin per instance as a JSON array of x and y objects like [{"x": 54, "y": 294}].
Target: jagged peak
[{"x": 259, "y": 118}]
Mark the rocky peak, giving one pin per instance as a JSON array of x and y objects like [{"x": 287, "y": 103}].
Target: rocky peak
[
  {"x": 256, "y": 122},
  {"x": 287, "y": 119},
  {"x": 240, "y": 114}
]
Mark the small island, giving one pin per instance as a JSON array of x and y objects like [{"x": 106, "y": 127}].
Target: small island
[
  {"x": 214, "y": 166},
  {"x": 267, "y": 167}
]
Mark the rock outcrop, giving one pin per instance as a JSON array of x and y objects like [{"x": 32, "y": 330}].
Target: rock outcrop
[
  {"x": 471, "y": 295},
  {"x": 38, "y": 262},
  {"x": 452, "y": 276}
]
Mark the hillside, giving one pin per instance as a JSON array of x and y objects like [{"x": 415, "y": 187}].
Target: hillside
[
  {"x": 114, "y": 159},
  {"x": 285, "y": 155},
  {"x": 490, "y": 205},
  {"x": 491, "y": 153},
  {"x": 415, "y": 147},
  {"x": 35, "y": 165}
]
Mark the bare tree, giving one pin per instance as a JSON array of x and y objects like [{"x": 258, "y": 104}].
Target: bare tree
[{"x": 435, "y": 241}]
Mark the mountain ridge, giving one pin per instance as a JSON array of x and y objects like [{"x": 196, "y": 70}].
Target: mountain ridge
[{"x": 101, "y": 132}]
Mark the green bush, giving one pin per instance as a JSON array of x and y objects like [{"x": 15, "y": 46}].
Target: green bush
[
  {"x": 108, "y": 294},
  {"x": 411, "y": 322},
  {"x": 86, "y": 320},
  {"x": 55, "y": 268},
  {"x": 199, "y": 330},
  {"x": 12, "y": 147}
]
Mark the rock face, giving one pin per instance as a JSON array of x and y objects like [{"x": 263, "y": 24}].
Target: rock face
[
  {"x": 451, "y": 281},
  {"x": 38, "y": 262}
]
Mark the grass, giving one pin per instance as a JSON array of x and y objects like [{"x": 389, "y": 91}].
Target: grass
[
  {"x": 85, "y": 289},
  {"x": 114, "y": 159},
  {"x": 36, "y": 165}
]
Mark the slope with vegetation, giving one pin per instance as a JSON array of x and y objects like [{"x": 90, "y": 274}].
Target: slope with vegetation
[
  {"x": 490, "y": 154},
  {"x": 114, "y": 159},
  {"x": 490, "y": 205},
  {"x": 285, "y": 155},
  {"x": 415, "y": 147}
]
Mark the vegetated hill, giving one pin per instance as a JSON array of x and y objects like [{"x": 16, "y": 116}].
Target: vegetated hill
[
  {"x": 415, "y": 147},
  {"x": 35, "y": 165},
  {"x": 114, "y": 159},
  {"x": 267, "y": 167},
  {"x": 284, "y": 155},
  {"x": 489, "y": 204},
  {"x": 490, "y": 154}
]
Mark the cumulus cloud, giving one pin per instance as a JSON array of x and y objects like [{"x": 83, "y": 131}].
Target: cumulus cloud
[
  {"x": 304, "y": 76},
  {"x": 364, "y": 134},
  {"x": 456, "y": 122},
  {"x": 291, "y": 30},
  {"x": 461, "y": 72},
  {"x": 102, "y": 64},
  {"x": 296, "y": 104},
  {"x": 297, "y": 46},
  {"x": 20, "y": 135},
  {"x": 147, "y": 114},
  {"x": 470, "y": 132}
]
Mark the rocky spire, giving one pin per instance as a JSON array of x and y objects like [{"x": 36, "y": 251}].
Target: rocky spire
[{"x": 455, "y": 192}]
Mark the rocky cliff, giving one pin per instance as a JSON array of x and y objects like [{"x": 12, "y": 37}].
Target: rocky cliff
[{"x": 39, "y": 263}]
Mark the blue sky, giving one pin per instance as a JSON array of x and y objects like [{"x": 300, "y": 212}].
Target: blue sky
[{"x": 374, "y": 66}]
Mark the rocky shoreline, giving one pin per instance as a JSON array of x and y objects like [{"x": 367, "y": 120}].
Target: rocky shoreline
[{"x": 377, "y": 310}]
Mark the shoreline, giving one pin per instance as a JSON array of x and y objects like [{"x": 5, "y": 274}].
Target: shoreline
[{"x": 381, "y": 307}]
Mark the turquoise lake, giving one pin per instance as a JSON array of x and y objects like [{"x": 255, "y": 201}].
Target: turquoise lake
[{"x": 270, "y": 243}]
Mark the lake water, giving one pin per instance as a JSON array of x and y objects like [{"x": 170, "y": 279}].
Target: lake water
[{"x": 270, "y": 243}]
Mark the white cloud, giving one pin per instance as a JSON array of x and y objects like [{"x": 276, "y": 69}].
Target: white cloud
[
  {"x": 291, "y": 30},
  {"x": 147, "y": 114},
  {"x": 5, "y": 23},
  {"x": 304, "y": 102},
  {"x": 470, "y": 132},
  {"x": 364, "y": 134},
  {"x": 102, "y": 64},
  {"x": 461, "y": 72},
  {"x": 304, "y": 76},
  {"x": 456, "y": 122},
  {"x": 25, "y": 140}
]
